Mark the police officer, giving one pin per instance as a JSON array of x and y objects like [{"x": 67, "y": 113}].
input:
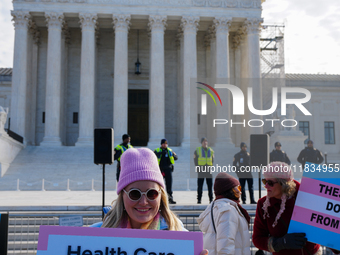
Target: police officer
[
  {"x": 204, "y": 157},
  {"x": 166, "y": 160},
  {"x": 120, "y": 149},
  {"x": 242, "y": 163},
  {"x": 310, "y": 154},
  {"x": 279, "y": 155}
]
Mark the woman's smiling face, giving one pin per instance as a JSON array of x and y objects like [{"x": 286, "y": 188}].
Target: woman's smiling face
[{"x": 143, "y": 210}]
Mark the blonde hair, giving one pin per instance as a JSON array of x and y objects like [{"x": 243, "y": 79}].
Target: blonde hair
[
  {"x": 288, "y": 188},
  {"x": 115, "y": 216}
]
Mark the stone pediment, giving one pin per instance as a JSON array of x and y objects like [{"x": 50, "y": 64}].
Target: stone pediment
[{"x": 172, "y": 3}]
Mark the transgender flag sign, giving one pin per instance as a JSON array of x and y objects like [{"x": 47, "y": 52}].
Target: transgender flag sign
[{"x": 317, "y": 207}]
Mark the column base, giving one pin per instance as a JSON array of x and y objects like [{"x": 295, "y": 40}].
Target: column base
[
  {"x": 85, "y": 141},
  {"x": 224, "y": 143},
  {"x": 154, "y": 143},
  {"x": 190, "y": 142},
  {"x": 51, "y": 141}
]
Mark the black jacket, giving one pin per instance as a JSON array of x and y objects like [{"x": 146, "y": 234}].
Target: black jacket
[
  {"x": 279, "y": 155},
  {"x": 242, "y": 163},
  {"x": 310, "y": 155}
]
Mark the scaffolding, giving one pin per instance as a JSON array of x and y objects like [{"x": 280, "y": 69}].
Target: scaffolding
[{"x": 272, "y": 51}]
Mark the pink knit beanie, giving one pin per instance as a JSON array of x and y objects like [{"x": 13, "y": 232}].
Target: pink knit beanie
[
  {"x": 139, "y": 165},
  {"x": 278, "y": 170}
]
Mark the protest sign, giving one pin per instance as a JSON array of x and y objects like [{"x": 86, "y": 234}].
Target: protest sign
[
  {"x": 317, "y": 207},
  {"x": 57, "y": 240}
]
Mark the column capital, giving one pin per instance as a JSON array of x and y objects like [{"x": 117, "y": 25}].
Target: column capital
[
  {"x": 54, "y": 20},
  {"x": 190, "y": 24},
  {"x": 34, "y": 31},
  {"x": 179, "y": 37},
  {"x": 121, "y": 22},
  {"x": 88, "y": 21},
  {"x": 212, "y": 32},
  {"x": 236, "y": 41},
  {"x": 21, "y": 19},
  {"x": 222, "y": 24},
  {"x": 157, "y": 23},
  {"x": 253, "y": 26},
  {"x": 66, "y": 33}
]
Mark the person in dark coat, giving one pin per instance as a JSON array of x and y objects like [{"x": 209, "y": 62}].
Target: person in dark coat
[
  {"x": 310, "y": 154},
  {"x": 242, "y": 163},
  {"x": 279, "y": 155}
]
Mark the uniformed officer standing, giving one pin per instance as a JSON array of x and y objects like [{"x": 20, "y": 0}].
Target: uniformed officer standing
[
  {"x": 242, "y": 163},
  {"x": 279, "y": 155},
  {"x": 310, "y": 154},
  {"x": 119, "y": 150},
  {"x": 166, "y": 160},
  {"x": 204, "y": 157}
]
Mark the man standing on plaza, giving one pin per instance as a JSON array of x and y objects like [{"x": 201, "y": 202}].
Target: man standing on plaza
[
  {"x": 120, "y": 149},
  {"x": 204, "y": 157},
  {"x": 242, "y": 163},
  {"x": 279, "y": 155},
  {"x": 310, "y": 154},
  {"x": 166, "y": 160}
]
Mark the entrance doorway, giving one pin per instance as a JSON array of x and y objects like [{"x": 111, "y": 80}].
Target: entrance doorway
[{"x": 138, "y": 117}]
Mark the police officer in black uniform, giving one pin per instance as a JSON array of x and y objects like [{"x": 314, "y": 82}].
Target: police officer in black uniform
[
  {"x": 279, "y": 155},
  {"x": 119, "y": 150},
  {"x": 310, "y": 154},
  {"x": 241, "y": 161}
]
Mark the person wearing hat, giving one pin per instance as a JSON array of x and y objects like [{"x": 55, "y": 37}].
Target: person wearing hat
[
  {"x": 279, "y": 155},
  {"x": 203, "y": 158},
  {"x": 242, "y": 163},
  {"x": 166, "y": 160},
  {"x": 274, "y": 211},
  {"x": 310, "y": 154},
  {"x": 225, "y": 223},
  {"x": 119, "y": 150}
]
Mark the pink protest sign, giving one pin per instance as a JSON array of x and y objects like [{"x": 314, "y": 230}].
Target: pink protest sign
[
  {"x": 317, "y": 207},
  {"x": 56, "y": 240}
]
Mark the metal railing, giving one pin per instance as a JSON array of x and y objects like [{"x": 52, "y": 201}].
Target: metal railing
[{"x": 23, "y": 228}]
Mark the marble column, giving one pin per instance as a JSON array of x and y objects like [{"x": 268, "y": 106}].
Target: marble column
[
  {"x": 237, "y": 74},
  {"x": 88, "y": 23},
  {"x": 254, "y": 68},
  {"x": 222, "y": 25},
  {"x": 179, "y": 41},
  {"x": 55, "y": 23},
  {"x": 157, "y": 25},
  {"x": 189, "y": 25},
  {"x": 120, "y": 87},
  {"x": 35, "y": 33},
  {"x": 19, "y": 78}
]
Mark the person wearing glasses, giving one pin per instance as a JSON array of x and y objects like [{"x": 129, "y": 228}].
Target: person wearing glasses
[
  {"x": 225, "y": 223},
  {"x": 142, "y": 202},
  {"x": 274, "y": 211}
]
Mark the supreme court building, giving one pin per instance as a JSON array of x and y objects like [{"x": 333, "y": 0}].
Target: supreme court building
[{"x": 74, "y": 65}]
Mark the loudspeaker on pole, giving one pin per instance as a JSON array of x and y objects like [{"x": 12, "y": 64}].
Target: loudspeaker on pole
[
  {"x": 103, "y": 146},
  {"x": 259, "y": 150}
]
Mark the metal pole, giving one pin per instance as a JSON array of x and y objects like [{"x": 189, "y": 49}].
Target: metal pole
[
  {"x": 260, "y": 184},
  {"x": 103, "y": 202}
]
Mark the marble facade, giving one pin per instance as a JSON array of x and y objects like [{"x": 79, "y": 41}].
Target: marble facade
[{"x": 77, "y": 56}]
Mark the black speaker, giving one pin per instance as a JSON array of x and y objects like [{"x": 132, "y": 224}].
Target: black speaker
[
  {"x": 259, "y": 150},
  {"x": 103, "y": 146},
  {"x": 3, "y": 233}
]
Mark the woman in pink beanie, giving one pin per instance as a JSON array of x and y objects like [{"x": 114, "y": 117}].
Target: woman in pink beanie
[
  {"x": 142, "y": 202},
  {"x": 274, "y": 211}
]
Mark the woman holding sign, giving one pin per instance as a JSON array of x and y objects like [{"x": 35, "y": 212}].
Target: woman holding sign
[
  {"x": 142, "y": 202},
  {"x": 274, "y": 211},
  {"x": 225, "y": 223}
]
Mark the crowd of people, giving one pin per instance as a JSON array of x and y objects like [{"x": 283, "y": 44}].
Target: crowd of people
[{"x": 143, "y": 200}]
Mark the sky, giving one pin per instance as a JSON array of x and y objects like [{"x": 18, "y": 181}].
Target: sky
[{"x": 312, "y": 33}]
